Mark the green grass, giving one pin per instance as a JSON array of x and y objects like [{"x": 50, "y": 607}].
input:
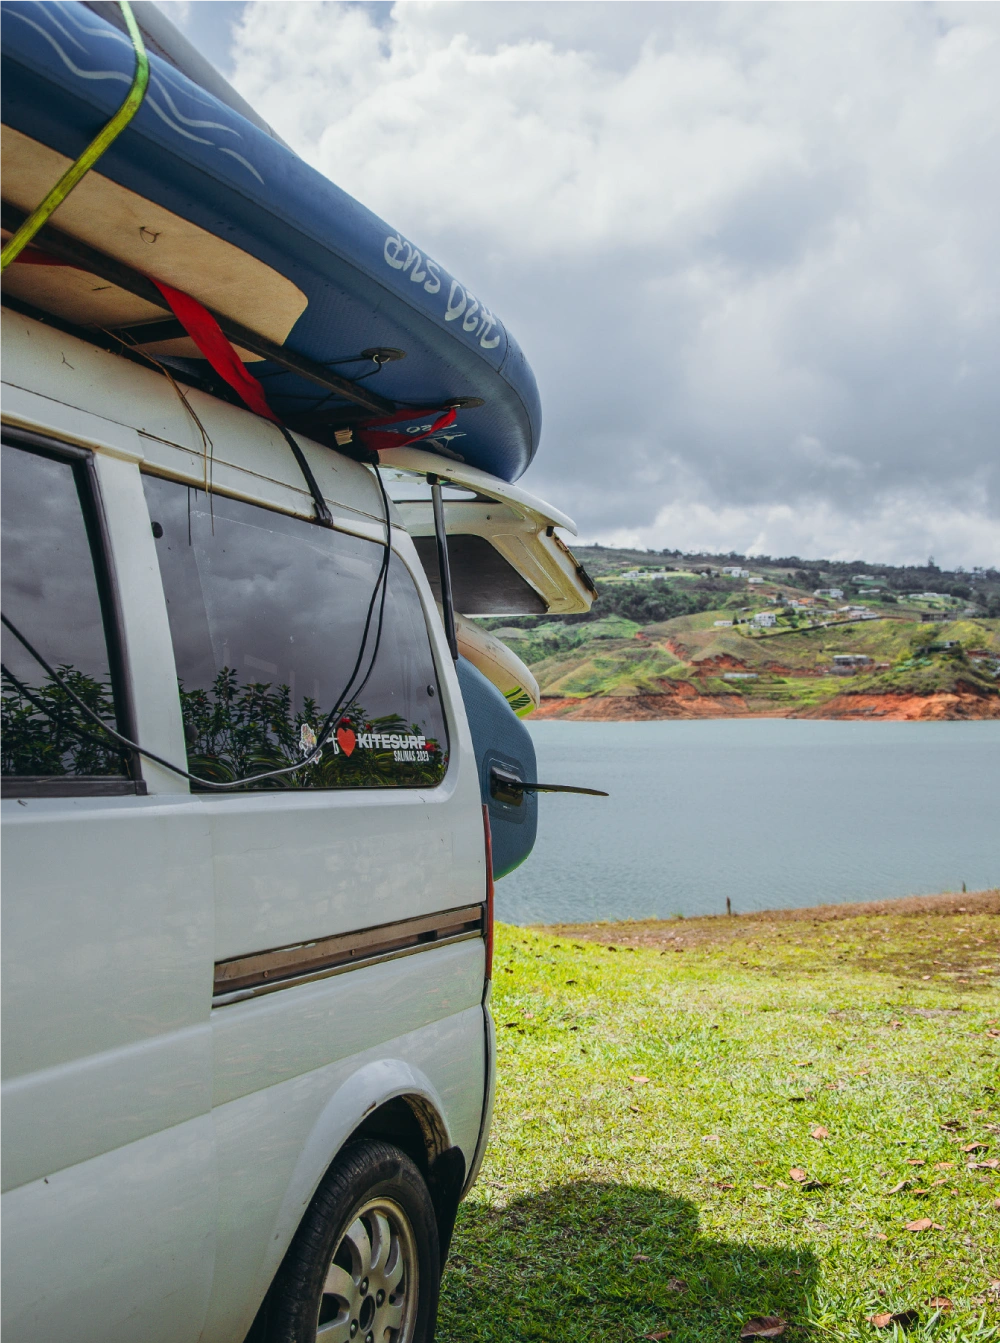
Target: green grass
[{"x": 610, "y": 1207}]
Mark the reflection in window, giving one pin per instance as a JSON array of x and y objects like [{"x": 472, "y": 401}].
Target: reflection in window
[
  {"x": 267, "y": 614},
  {"x": 50, "y": 593}
]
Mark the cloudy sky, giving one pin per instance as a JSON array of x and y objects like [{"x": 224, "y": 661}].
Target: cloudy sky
[{"x": 750, "y": 250}]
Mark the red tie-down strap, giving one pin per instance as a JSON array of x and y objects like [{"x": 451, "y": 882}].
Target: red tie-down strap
[
  {"x": 371, "y": 434},
  {"x": 210, "y": 339},
  {"x": 206, "y": 333},
  {"x": 34, "y": 256}
]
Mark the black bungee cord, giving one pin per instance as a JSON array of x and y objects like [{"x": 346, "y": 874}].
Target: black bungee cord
[{"x": 381, "y": 584}]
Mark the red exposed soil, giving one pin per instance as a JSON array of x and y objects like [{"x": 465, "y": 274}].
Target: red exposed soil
[
  {"x": 684, "y": 702},
  {"x": 720, "y": 663},
  {"x": 964, "y": 702},
  {"x": 681, "y": 699}
]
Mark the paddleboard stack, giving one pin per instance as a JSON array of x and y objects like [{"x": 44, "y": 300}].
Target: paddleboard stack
[{"x": 198, "y": 196}]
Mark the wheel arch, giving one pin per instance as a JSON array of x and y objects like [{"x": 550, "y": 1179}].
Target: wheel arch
[{"x": 397, "y": 1104}]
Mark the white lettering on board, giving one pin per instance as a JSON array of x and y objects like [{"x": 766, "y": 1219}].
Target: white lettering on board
[{"x": 478, "y": 321}]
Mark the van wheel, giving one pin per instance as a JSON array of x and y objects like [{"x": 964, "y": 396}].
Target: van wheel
[{"x": 364, "y": 1266}]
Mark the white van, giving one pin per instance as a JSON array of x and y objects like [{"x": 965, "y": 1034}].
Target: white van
[{"x": 248, "y": 1056}]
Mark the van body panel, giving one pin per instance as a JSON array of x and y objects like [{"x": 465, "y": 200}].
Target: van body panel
[
  {"x": 327, "y": 863},
  {"x": 148, "y": 650},
  {"x": 60, "y": 1116},
  {"x": 108, "y": 941},
  {"x": 107, "y": 952},
  {"x": 272, "y": 1039},
  {"x": 299, "y": 1123},
  {"x": 81, "y": 1264}
]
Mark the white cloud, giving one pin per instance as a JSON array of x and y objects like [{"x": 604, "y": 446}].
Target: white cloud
[
  {"x": 749, "y": 250},
  {"x": 904, "y": 529}
]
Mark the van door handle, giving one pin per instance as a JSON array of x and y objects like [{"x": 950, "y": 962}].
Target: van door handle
[{"x": 507, "y": 787}]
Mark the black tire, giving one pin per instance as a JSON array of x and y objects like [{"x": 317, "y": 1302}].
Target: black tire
[{"x": 375, "y": 1176}]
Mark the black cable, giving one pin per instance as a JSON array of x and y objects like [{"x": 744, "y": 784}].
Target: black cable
[{"x": 381, "y": 584}]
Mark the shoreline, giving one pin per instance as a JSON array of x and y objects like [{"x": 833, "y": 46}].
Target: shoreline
[
  {"x": 689, "y": 704},
  {"x": 653, "y": 932}
]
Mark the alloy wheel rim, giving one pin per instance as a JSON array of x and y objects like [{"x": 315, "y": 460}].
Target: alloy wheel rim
[{"x": 370, "y": 1289}]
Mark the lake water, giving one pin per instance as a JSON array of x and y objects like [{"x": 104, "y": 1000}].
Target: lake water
[{"x": 772, "y": 813}]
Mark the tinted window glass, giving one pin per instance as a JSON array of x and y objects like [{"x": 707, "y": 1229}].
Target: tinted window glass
[
  {"x": 267, "y": 615},
  {"x": 50, "y": 593}
]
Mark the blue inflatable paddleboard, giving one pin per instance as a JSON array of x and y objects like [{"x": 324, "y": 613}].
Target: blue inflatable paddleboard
[{"x": 66, "y": 70}]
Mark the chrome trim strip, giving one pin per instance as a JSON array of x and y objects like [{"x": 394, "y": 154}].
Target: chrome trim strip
[{"x": 263, "y": 972}]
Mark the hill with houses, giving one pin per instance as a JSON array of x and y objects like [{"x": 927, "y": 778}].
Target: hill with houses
[{"x": 691, "y": 636}]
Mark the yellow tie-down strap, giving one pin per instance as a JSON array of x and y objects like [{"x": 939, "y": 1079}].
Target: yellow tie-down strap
[{"x": 39, "y": 216}]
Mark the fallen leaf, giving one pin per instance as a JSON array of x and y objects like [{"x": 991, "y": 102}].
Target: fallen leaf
[
  {"x": 976, "y": 1147},
  {"x": 898, "y": 1188},
  {"x": 766, "y": 1326},
  {"x": 944, "y": 1165},
  {"x": 906, "y": 1319},
  {"x": 954, "y": 1124},
  {"x": 676, "y": 1285},
  {"x": 780, "y": 1184},
  {"x": 994, "y": 1034},
  {"x": 640, "y": 1081},
  {"x": 940, "y": 1303},
  {"x": 819, "y": 1133},
  {"x": 879, "y": 1235},
  {"x": 942, "y": 1180},
  {"x": 719, "y": 1184},
  {"x": 921, "y": 1224},
  {"x": 803, "y": 1063},
  {"x": 896, "y": 1025},
  {"x": 710, "y": 1137},
  {"x": 915, "y": 1161},
  {"x": 920, "y": 1193},
  {"x": 659, "y": 1334},
  {"x": 640, "y": 1259},
  {"x": 760, "y": 1186},
  {"x": 798, "y": 1174},
  {"x": 991, "y": 1163}
]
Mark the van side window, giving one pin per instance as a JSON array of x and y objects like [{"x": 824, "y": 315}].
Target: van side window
[
  {"x": 267, "y": 615},
  {"x": 51, "y": 594}
]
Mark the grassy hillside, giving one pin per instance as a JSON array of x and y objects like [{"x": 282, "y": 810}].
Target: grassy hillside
[
  {"x": 705, "y": 1121},
  {"x": 657, "y": 630}
]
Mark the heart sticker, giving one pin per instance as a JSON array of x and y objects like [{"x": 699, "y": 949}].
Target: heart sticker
[{"x": 346, "y": 739}]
